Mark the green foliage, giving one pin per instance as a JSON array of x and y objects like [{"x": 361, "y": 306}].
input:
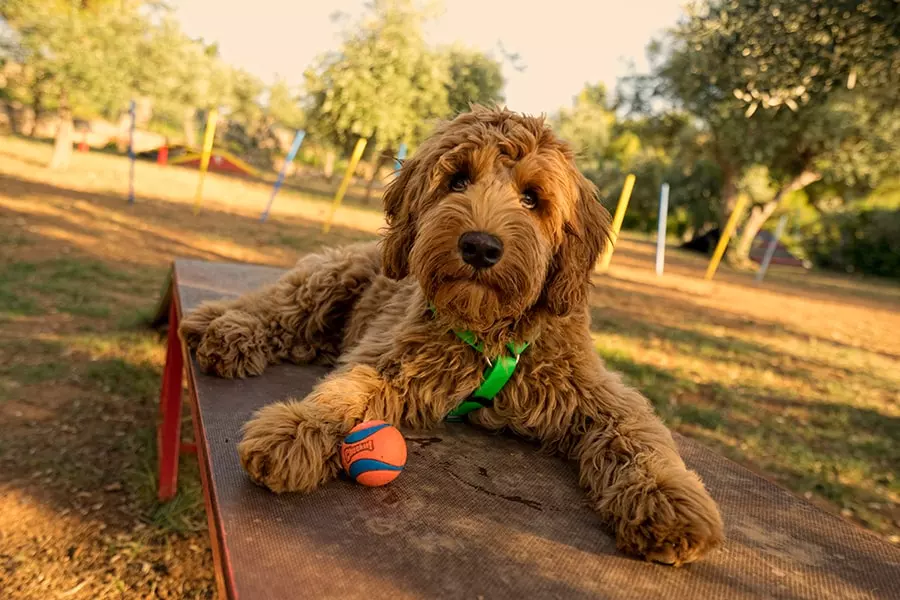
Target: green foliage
[
  {"x": 384, "y": 82},
  {"x": 82, "y": 57},
  {"x": 588, "y": 127},
  {"x": 475, "y": 78},
  {"x": 785, "y": 96},
  {"x": 283, "y": 106},
  {"x": 693, "y": 197},
  {"x": 865, "y": 241},
  {"x": 656, "y": 149},
  {"x": 92, "y": 58},
  {"x": 769, "y": 81}
]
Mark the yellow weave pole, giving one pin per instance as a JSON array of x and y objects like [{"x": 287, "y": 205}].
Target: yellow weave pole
[
  {"x": 208, "y": 139},
  {"x": 354, "y": 159},
  {"x": 726, "y": 235},
  {"x": 624, "y": 197}
]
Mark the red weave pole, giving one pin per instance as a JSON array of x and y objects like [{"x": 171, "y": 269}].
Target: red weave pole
[{"x": 170, "y": 403}]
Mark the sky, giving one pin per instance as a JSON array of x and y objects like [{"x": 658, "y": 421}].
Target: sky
[{"x": 562, "y": 43}]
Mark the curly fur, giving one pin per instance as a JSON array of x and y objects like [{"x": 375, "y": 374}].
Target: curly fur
[{"x": 366, "y": 308}]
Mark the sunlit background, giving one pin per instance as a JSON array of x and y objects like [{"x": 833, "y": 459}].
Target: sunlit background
[{"x": 561, "y": 45}]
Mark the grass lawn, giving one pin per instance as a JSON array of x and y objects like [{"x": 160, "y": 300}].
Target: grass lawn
[{"x": 797, "y": 379}]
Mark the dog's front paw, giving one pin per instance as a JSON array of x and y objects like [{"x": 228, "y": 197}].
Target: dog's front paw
[
  {"x": 194, "y": 324},
  {"x": 286, "y": 449},
  {"x": 673, "y": 521},
  {"x": 234, "y": 345}
]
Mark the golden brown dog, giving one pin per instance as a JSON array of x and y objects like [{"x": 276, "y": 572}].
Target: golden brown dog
[{"x": 491, "y": 229}]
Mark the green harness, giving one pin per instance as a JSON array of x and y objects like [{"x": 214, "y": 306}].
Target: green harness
[{"x": 496, "y": 375}]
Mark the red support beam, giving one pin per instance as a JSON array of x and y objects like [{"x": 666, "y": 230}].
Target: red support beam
[{"x": 170, "y": 402}]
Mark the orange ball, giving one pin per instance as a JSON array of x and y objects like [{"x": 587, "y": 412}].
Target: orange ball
[{"x": 373, "y": 453}]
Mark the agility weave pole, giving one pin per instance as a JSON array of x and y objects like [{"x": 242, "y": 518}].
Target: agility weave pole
[
  {"x": 298, "y": 139},
  {"x": 770, "y": 251},
  {"x": 624, "y": 197},
  {"x": 661, "y": 229},
  {"x": 726, "y": 236},
  {"x": 208, "y": 139},
  {"x": 132, "y": 111},
  {"x": 401, "y": 156},
  {"x": 345, "y": 183}
]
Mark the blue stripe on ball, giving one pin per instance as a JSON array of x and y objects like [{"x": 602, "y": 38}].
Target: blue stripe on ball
[
  {"x": 358, "y": 436},
  {"x": 364, "y": 465}
]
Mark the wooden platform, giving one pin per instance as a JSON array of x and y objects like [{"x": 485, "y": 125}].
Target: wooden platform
[{"x": 477, "y": 515}]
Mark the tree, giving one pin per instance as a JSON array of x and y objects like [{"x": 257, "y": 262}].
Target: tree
[
  {"x": 384, "y": 83},
  {"x": 180, "y": 81},
  {"x": 588, "y": 127},
  {"x": 475, "y": 78},
  {"x": 80, "y": 56},
  {"x": 770, "y": 82},
  {"x": 284, "y": 105}
]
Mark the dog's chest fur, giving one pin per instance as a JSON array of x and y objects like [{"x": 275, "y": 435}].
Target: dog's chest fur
[{"x": 392, "y": 330}]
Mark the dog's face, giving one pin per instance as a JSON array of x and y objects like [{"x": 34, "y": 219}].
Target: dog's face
[{"x": 493, "y": 219}]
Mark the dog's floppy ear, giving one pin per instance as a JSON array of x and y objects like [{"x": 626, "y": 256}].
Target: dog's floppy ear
[
  {"x": 401, "y": 232},
  {"x": 585, "y": 237}
]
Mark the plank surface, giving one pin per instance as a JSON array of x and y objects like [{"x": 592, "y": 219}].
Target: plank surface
[{"x": 477, "y": 515}]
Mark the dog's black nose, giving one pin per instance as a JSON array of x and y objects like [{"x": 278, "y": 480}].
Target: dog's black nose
[{"x": 479, "y": 249}]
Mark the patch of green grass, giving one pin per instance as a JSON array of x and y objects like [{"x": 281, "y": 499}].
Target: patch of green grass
[
  {"x": 39, "y": 373},
  {"x": 185, "y": 512},
  {"x": 182, "y": 514},
  {"x": 123, "y": 378},
  {"x": 30, "y": 362},
  {"x": 81, "y": 287},
  {"x": 13, "y": 297},
  {"x": 658, "y": 385},
  {"x": 13, "y": 302},
  {"x": 701, "y": 416},
  {"x": 136, "y": 319}
]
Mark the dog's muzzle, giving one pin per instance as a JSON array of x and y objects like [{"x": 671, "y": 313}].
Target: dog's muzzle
[{"x": 479, "y": 249}]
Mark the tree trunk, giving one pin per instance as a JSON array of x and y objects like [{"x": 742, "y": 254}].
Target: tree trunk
[
  {"x": 729, "y": 195},
  {"x": 189, "y": 127},
  {"x": 62, "y": 147},
  {"x": 37, "y": 107},
  {"x": 761, "y": 213},
  {"x": 379, "y": 162}
]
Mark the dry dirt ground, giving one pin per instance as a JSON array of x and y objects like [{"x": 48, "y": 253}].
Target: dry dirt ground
[{"x": 797, "y": 379}]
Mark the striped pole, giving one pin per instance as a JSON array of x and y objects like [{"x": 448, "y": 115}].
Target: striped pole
[
  {"x": 401, "y": 155},
  {"x": 208, "y": 139},
  {"x": 298, "y": 139},
  {"x": 726, "y": 235},
  {"x": 770, "y": 251},
  {"x": 345, "y": 183},
  {"x": 661, "y": 229},
  {"x": 132, "y": 111},
  {"x": 617, "y": 221}
]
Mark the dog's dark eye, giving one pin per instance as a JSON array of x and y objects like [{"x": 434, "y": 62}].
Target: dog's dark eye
[
  {"x": 529, "y": 199},
  {"x": 459, "y": 182}
]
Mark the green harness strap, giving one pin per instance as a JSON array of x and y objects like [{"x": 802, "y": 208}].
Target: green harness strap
[{"x": 496, "y": 375}]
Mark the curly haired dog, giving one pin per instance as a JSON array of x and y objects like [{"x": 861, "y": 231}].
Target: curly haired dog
[{"x": 491, "y": 229}]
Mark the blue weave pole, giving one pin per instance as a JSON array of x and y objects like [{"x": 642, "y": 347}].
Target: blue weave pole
[
  {"x": 298, "y": 139},
  {"x": 401, "y": 154},
  {"x": 131, "y": 111}
]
